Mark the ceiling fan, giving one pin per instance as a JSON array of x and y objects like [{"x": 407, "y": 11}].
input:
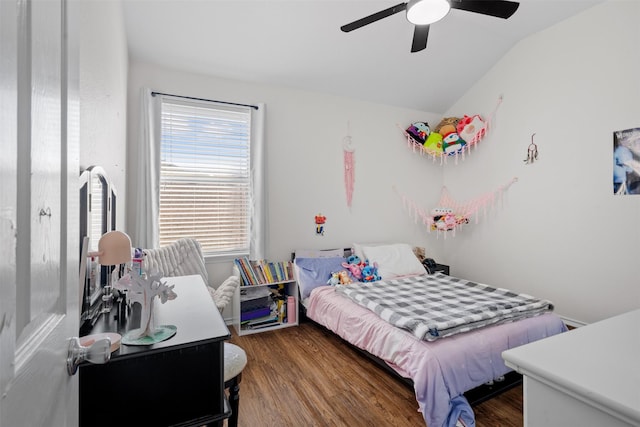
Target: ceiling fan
[{"x": 422, "y": 13}]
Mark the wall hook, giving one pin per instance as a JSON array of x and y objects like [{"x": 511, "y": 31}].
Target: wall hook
[{"x": 532, "y": 152}]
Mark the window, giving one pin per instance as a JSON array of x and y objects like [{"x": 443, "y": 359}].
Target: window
[{"x": 205, "y": 178}]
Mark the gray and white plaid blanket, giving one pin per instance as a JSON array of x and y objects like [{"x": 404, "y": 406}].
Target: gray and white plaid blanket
[{"x": 437, "y": 306}]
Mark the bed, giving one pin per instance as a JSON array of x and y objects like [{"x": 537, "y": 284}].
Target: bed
[{"x": 442, "y": 358}]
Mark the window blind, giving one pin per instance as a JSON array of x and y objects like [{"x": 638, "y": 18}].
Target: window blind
[{"x": 205, "y": 185}]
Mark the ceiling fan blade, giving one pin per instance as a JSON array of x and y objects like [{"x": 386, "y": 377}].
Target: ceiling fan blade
[
  {"x": 373, "y": 18},
  {"x": 498, "y": 8},
  {"x": 420, "y": 36}
]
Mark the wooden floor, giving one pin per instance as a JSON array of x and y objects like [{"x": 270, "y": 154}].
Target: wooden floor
[{"x": 306, "y": 376}]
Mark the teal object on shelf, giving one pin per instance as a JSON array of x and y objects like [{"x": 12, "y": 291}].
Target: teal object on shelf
[{"x": 161, "y": 333}]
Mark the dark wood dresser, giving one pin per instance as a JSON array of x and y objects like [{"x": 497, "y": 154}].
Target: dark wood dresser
[{"x": 177, "y": 382}]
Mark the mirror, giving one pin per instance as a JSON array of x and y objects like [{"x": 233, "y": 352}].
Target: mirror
[{"x": 97, "y": 216}]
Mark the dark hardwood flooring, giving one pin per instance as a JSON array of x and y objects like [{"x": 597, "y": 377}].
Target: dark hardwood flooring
[{"x": 306, "y": 376}]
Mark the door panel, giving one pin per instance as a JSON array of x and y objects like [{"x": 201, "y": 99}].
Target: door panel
[
  {"x": 39, "y": 244},
  {"x": 44, "y": 160}
]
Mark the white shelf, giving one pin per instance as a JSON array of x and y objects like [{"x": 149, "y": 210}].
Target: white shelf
[{"x": 291, "y": 289}]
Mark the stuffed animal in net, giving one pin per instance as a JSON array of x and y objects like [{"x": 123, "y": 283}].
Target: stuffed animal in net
[
  {"x": 419, "y": 131},
  {"x": 471, "y": 128},
  {"x": 446, "y": 121},
  {"x": 444, "y": 219},
  {"x": 433, "y": 144},
  {"x": 451, "y": 141}
]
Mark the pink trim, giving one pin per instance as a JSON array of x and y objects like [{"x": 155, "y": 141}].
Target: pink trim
[{"x": 461, "y": 213}]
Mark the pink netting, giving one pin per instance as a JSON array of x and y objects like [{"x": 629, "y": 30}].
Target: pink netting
[{"x": 449, "y": 215}]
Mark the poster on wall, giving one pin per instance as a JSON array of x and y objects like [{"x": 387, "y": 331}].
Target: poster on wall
[{"x": 626, "y": 161}]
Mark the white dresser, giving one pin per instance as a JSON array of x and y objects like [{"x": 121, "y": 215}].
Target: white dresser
[{"x": 586, "y": 377}]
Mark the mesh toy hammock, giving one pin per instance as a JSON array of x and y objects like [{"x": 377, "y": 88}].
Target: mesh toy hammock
[
  {"x": 481, "y": 128},
  {"x": 450, "y": 215}
]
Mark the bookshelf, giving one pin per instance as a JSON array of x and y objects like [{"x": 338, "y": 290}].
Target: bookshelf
[{"x": 267, "y": 298}]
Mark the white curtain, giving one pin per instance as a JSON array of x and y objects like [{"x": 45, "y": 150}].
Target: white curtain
[
  {"x": 258, "y": 184},
  {"x": 146, "y": 174}
]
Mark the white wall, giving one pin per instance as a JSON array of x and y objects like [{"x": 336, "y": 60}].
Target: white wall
[
  {"x": 304, "y": 134},
  {"x": 561, "y": 233},
  {"x": 103, "y": 94}
]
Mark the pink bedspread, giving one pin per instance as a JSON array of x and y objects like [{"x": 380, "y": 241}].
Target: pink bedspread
[{"x": 441, "y": 370}]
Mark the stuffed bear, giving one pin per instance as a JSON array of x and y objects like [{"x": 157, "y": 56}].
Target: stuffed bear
[
  {"x": 445, "y": 121},
  {"x": 344, "y": 278},
  {"x": 339, "y": 278},
  {"x": 446, "y": 130}
]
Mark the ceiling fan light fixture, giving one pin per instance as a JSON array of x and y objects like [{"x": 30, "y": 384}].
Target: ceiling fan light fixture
[{"x": 424, "y": 12}]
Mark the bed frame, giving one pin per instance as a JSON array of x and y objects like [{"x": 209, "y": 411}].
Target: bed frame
[{"x": 474, "y": 396}]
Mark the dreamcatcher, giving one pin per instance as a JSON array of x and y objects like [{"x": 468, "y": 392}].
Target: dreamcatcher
[
  {"x": 449, "y": 215},
  {"x": 349, "y": 166}
]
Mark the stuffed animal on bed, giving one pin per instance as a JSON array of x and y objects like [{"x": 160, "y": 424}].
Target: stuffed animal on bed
[
  {"x": 334, "y": 280},
  {"x": 339, "y": 278},
  {"x": 354, "y": 264},
  {"x": 343, "y": 277},
  {"x": 370, "y": 273}
]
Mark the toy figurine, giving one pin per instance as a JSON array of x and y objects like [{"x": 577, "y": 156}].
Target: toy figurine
[{"x": 320, "y": 220}]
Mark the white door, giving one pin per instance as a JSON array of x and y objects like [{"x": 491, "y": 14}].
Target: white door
[{"x": 39, "y": 242}]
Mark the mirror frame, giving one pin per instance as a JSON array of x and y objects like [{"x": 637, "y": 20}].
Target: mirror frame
[{"x": 89, "y": 194}]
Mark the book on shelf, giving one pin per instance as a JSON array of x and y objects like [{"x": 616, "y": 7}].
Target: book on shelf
[
  {"x": 241, "y": 270},
  {"x": 261, "y": 322},
  {"x": 264, "y": 325},
  {"x": 252, "y": 273},
  {"x": 255, "y": 314},
  {"x": 255, "y": 265},
  {"x": 263, "y": 272}
]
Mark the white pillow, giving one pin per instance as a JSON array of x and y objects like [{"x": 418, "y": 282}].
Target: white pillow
[
  {"x": 393, "y": 260},
  {"x": 357, "y": 249}
]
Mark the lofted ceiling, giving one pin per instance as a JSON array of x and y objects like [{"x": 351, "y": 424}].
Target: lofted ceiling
[{"x": 298, "y": 44}]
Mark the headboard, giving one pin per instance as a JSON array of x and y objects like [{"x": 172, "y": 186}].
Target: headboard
[{"x": 313, "y": 253}]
